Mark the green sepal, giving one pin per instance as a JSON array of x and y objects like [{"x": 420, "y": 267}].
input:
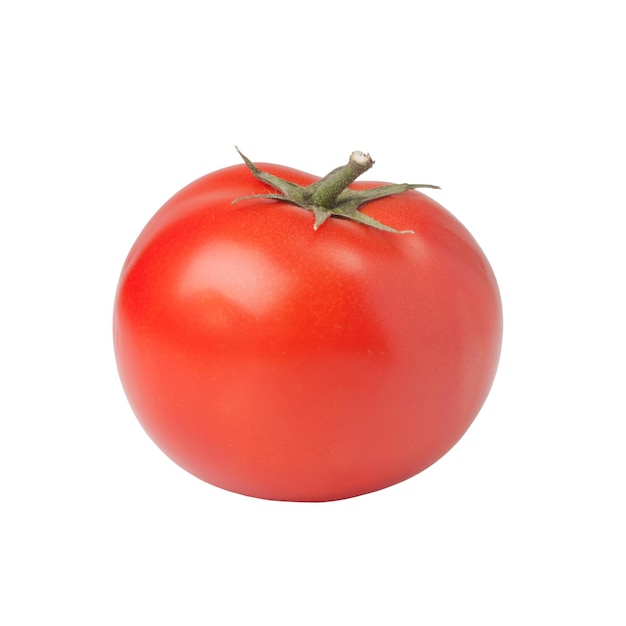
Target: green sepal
[{"x": 331, "y": 196}]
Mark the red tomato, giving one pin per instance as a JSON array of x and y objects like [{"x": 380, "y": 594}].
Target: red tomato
[{"x": 287, "y": 363}]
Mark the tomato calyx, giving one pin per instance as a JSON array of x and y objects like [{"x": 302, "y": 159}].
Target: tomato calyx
[{"x": 331, "y": 195}]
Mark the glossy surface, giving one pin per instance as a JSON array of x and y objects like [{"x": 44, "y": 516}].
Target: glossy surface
[{"x": 280, "y": 362}]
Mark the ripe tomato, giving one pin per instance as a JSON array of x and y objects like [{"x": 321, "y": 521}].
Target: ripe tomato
[{"x": 282, "y": 362}]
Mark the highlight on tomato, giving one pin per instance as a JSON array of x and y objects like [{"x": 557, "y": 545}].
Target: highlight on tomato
[{"x": 290, "y": 337}]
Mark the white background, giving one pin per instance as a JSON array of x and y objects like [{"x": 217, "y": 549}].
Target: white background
[{"x": 515, "y": 109}]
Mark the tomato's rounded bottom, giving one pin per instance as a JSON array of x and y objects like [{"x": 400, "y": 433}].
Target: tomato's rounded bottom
[
  {"x": 314, "y": 496},
  {"x": 296, "y": 478}
]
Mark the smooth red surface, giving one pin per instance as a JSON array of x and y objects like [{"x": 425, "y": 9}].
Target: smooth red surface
[{"x": 280, "y": 362}]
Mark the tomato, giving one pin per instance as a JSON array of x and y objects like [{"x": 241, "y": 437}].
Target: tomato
[{"x": 282, "y": 361}]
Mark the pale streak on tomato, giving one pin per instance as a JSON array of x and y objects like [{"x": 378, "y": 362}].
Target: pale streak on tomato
[{"x": 246, "y": 277}]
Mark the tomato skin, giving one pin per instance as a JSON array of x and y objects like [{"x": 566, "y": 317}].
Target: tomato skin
[{"x": 280, "y": 362}]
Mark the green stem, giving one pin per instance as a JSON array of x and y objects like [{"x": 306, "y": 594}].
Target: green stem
[{"x": 325, "y": 191}]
